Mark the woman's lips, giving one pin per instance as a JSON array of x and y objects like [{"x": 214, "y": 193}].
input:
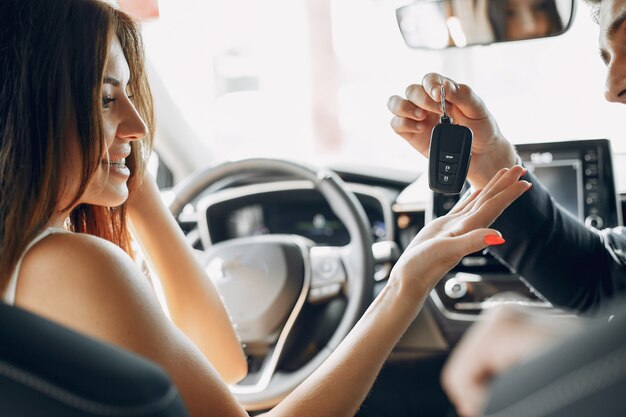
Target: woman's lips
[{"x": 117, "y": 166}]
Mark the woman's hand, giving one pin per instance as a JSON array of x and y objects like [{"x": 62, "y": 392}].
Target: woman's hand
[
  {"x": 188, "y": 290},
  {"x": 144, "y": 195},
  {"x": 415, "y": 117},
  {"x": 442, "y": 243}
]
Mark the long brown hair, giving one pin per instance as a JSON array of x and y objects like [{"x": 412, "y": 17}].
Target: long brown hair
[{"x": 52, "y": 59}]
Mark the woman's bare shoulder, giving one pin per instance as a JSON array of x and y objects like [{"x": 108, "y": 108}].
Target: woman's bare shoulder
[
  {"x": 93, "y": 287},
  {"x": 84, "y": 282},
  {"x": 73, "y": 258}
]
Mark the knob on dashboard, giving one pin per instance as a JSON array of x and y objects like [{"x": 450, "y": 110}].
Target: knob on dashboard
[
  {"x": 455, "y": 288},
  {"x": 593, "y": 220}
]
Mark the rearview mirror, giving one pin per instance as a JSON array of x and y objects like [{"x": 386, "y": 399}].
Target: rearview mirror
[{"x": 440, "y": 24}]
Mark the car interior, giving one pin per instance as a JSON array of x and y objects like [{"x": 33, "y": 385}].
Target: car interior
[{"x": 275, "y": 155}]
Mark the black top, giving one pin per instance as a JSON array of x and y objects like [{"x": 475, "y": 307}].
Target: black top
[{"x": 572, "y": 266}]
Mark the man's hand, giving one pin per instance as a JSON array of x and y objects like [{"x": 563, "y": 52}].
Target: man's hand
[
  {"x": 416, "y": 116},
  {"x": 505, "y": 337}
]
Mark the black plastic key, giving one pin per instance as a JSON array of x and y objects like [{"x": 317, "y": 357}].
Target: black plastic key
[{"x": 450, "y": 154}]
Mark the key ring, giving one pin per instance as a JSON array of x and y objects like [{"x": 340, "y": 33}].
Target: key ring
[
  {"x": 443, "y": 100},
  {"x": 444, "y": 118}
]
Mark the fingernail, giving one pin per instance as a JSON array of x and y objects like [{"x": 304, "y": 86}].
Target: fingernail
[
  {"x": 524, "y": 172},
  {"x": 434, "y": 93},
  {"x": 419, "y": 113},
  {"x": 493, "y": 240}
]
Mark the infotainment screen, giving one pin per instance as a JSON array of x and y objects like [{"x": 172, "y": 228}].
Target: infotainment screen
[
  {"x": 564, "y": 179},
  {"x": 578, "y": 174}
]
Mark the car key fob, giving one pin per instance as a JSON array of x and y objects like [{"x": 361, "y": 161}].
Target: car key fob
[{"x": 450, "y": 154}]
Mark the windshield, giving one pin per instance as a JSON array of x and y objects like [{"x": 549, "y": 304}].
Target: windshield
[{"x": 309, "y": 80}]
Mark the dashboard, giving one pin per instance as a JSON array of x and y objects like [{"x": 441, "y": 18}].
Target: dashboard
[
  {"x": 288, "y": 207},
  {"x": 579, "y": 175},
  {"x": 580, "y": 178}
]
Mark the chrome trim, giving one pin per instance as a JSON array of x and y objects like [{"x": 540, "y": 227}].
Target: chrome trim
[
  {"x": 485, "y": 305},
  {"x": 450, "y": 315},
  {"x": 269, "y": 367}
]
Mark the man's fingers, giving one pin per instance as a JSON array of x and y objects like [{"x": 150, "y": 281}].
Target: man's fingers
[
  {"x": 432, "y": 83},
  {"x": 405, "y": 108},
  {"x": 406, "y": 125},
  {"x": 418, "y": 96},
  {"x": 460, "y": 95}
]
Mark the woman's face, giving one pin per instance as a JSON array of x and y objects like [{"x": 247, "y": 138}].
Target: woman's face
[
  {"x": 122, "y": 124},
  {"x": 527, "y": 19}
]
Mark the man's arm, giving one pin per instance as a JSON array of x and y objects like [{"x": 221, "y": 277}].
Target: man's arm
[{"x": 571, "y": 265}]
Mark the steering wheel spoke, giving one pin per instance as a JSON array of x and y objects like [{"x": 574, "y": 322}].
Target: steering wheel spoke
[{"x": 270, "y": 362}]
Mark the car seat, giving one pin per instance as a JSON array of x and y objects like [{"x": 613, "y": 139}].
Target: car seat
[{"x": 48, "y": 370}]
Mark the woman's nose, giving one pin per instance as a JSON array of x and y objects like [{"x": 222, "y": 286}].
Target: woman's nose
[{"x": 132, "y": 126}]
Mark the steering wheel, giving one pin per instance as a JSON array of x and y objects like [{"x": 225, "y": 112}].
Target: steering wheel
[{"x": 266, "y": 280}]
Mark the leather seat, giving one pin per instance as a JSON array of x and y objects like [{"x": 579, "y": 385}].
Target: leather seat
[{"x": 49, "y": 370}]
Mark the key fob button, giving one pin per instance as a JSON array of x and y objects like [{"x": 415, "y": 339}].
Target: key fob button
[
  {"x": 449, "y": 157},
  {"x": 446, "y": 179},
  {"x": 447, "y": 168},
  {"x": 451, "y": 151}
]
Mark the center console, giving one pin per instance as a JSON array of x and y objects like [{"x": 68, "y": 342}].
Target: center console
[{"x": 579, "y": 176}]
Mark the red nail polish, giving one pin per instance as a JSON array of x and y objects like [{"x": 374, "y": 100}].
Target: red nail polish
[{"x": 493, "y": 240}]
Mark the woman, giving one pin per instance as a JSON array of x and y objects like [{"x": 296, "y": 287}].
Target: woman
[
  {"x": 75, "y": 129},
  {"x": 524, "y": 19}
]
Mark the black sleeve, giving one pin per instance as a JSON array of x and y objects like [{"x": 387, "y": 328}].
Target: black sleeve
[{"x": 572, "y": 266}]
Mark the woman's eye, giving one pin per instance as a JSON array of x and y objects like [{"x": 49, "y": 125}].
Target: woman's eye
[{"x": 106, "y": 101}]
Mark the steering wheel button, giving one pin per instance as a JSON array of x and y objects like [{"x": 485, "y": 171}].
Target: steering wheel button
[
  {"x": 324, "y": 293},
  {"x": 326, "y": 269}
]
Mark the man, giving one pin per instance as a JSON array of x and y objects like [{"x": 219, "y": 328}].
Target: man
[{"x": 586, "y": 269}]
